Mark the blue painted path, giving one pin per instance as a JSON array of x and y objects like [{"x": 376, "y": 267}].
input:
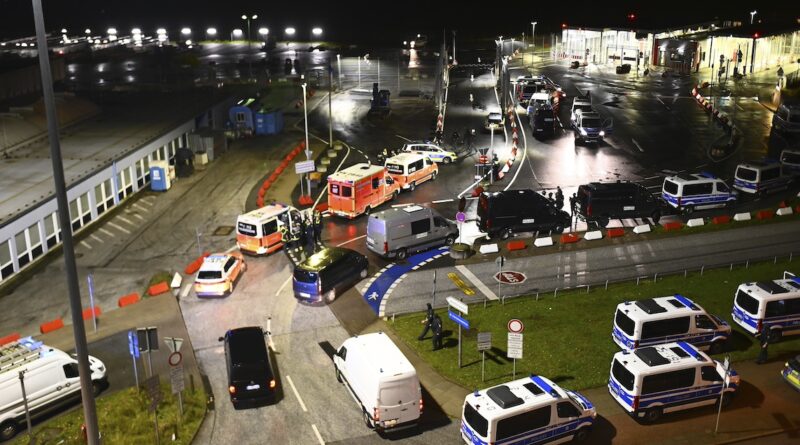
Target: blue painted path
[{"x": 380, "y": 286}]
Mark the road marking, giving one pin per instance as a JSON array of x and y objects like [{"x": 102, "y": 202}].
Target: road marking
[
  {"x": 96, "y": 238},
  {"x": 296, "y": 394},
  {"x": 106, "y": 232},
  {"x": 140, "y": 207},
  {"x": 120, "y": 228},
  {"x": 316, "y": 433},
  {"x": 475, "y": 281},
  {"x": 126, "y": 221},
  {"x": 144, "y": 201},
  {"x": 403, "y": 138},
  {"x": 350, "y": 241},
  {"x": 185, "y": 291},
  {"x": 136, "y": 215},
  {"x": 460, "y": 283},
  {"x": 637, "y": 145},
  {"x": 402, "y": 205},
  {"x": 232, "y": 249},
  {"x": 439, "y": 201},
  {"x": 282, "y": 286},
  {"x": 86, "y": 245}
]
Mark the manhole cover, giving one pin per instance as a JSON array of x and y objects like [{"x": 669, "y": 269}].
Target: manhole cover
[{"x": 223, "y": 231}]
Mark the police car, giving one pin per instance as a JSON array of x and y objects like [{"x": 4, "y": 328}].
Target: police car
[
  {"x": 655, "y": 380},
  {"x": 218, "y": 274},
  {"x": 791, "y": 372},
  {"x": 697, "y": 191},
  {"x": 436, "y": 153},
  {"x": 526, "y": 411}
]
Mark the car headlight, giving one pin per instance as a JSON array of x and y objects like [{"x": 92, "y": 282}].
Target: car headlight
[
  {"x": 583, "y": 132},
  {"x": 602, "y": 133}
]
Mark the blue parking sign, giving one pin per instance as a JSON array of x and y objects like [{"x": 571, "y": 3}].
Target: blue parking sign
[{"x": 133, "y": 344}]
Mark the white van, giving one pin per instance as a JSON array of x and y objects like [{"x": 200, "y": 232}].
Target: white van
[
  {"x": 397, "y": 232},
  {"x": 758, "y": 178},
  {"x": 382, "y": 381},
  {"x": 51, "y": 380},
  {"x": 525, "y": 411},
  {"x": 775, "y": 303},
  {"x": 790, "y": 160},
  {"x": 655, "y": 380},
  {"x": 666, "y": 319},
  {"x": 697, "y": 191},
  {"x": 410, "y": 169}
]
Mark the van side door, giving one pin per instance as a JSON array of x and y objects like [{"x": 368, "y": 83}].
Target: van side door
[{"x": 566, "y": 412}]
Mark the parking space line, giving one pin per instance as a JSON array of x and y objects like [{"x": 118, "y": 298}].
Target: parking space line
[
  {"x": 86, "y": 245},
  {"x": 106, "y": 232},
  {"x": 440, "y": 201},
  {"x": 296, "y": 394},
  {"x": 476, "y": 282},
  {"x": 120, "y": 228},
  {"x": 136, "y": 215},
  {"x": 282, "y": 286},
  {"x": 316, "y": 433},
  {"x": 95, "y": 237},
  {"x": 144, "y": 201},
  {"x": 351, "y": 240},
  {"x": 127, "y": 221},
  {"x": 140, "y": 207}
]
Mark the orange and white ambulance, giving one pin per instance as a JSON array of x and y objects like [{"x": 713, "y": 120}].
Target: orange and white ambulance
[
  {"x": 410, "y": 169},
  {"x": 359, "y": 189},
  {"x": 265, "y": 230}
]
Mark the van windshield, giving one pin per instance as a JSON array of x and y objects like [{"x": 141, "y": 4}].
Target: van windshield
[
  {"x": 475, "y": 420},
  {"x": 746, "y": 302},
  {"x": 670, "y": 187},
  {"x": 305, "y": 276},
  {"x": 622, "y": 375},
  {"x": 624, "y": 322},
  {"x": 746, "y": 174}
]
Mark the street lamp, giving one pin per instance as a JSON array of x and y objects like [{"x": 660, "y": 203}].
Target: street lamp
[
  {"x": 249, "y": 37},
  {"x": 263, "y": 32},
  {"x": 752, "y": 14},
  {"x": 186, "y": 31},
  {"x": 87, "y": 31},
  {"x": 290, "y": 31},
  {"x": 317, "y": 31},
  {"x": 339, "y": 64},
  {"x": 305, "y": 120},
  {"x": 211, "y": 32},
  {"x": 533, "y": 40},
  {"x": 236, "y": 33},
  {"x": 112, "y": 34}
]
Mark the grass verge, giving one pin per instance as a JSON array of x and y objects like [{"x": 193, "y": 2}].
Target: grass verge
[
  {"x": 569, "y": 338},
  {"x": 124, "y": 419}
]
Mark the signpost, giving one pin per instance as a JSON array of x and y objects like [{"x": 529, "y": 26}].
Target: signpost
[
  {"x": 133, "y": 349},
  {"x": 514, "y": 350},
  {"x": 90, "y": 279},
  {"x": 176, "y": 377},
  {"x": 726, "y": 365},
  {"x": 458, "y": 318},
  {"x": 500, "y": 261},
  {"x": 154, "y": 391},
  {"x": 148, "y": 341},
  {"x": 460, "y": 217},
  {"x": 484, "y": 344},
  {"x": 304, "y": 166}
]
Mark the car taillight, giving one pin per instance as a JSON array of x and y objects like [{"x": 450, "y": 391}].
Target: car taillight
[
  {"x": 232, "y": 389},
  {"x": 376, "y": 414},
  {"x": 422, "y": 404},
  {"x": 385, "y": 247},
  {"x": 636, "y": 403},
  {"x": 272, "y": 384},
  {"x": 589, "y": 210}
]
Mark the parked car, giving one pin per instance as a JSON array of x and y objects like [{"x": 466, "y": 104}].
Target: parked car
[
  {"x": 625, "y": 68},
  {"x": 218, "y": 274},
  {"x": 251, "y": 379},
  {"x": 598, "y": 202},
  {"x": 574, "y": 64},
  {"x": 328, "y": 272},
  {"x": 494, "y": 121},
  {"x": 588, "y": 128},
  {"x": 508, "y": 212},
  {"x": 435, "y": 152},
  {"x": 791, "y": 372}
]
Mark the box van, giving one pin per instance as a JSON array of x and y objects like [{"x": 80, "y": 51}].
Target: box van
[
  {"x": 381, "y": 380},
  {"x": 542, "y": 119},
  {"x": 790, "y": 160},
  {"x": 359, "y": 189},
  {"x": 51, "y": 381},
  {"x": 665, "y": 319},
  {"x": 328, "y": 272},
  {"x": 410, "y": 169},
  {"x": 759, "y": 178},
  {"x": 775, "y": 303},
  {"x": 697, "y": 191},
  {"x": 525, "y": 411},
  {"x": 508, "y": 212},
  {"x": 265, "y": 230},
  {"x": 600, "y": 202},
  {"x": 655, "y": 380},
  {"x": 399, "y": 231},
  {"x": 787, "y": 118}
]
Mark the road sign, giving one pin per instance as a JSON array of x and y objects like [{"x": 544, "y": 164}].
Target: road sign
[
  {"x": 461, "y": 217},
  {"x": 304, "y": 167},
  {"x": 514, "y": 345},
  {"x": 458, "y": 305},
  {"x": 463, "y": 322},
  {"x": 176, "y": 378},
  {"x": 175, "y": 359},
  {"x": 515, "y": 326},
  {"x": 173, "y": 343},
  {"x": 484, "y": 341},
  {"x": 153, "y": 391},
  {"x": 510, "y": 277},
  {"x": 148, "y": 338},
  {"x": 133, "y": 344}
]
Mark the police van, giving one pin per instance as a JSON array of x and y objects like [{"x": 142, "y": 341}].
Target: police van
[
  {"x": 759, "y": 178},
  {"x": 696, "y": 191},
  {"x": 525, "y": 411},
  {"x": 775, "y": 303},
  {"x": 667, "y": 319},
  {"x": 790, "y": 161},
  {"x": 655, "y": 380}
]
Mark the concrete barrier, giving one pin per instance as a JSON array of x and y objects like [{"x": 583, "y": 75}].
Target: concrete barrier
[
  {"x": 516, "y": 245},
  {"x": 644, "y": 228},
  {"x": 158, "y": 289},
  {"x": 783, "y": 211},
  {"x": 51, "y": 326},
  {"x": 128, "y": 300},
  {"x": 593, "y": 235},
  {"x": 87, "y": 313},
  {"x": 721, "y": 219},
  {"x": 489, "y": 248},
  {"x": 14, "y": 336},
  {"x": 695, "y": 222},
  {"x": 671, "y": 226},
  {"x": 614, "y": 233},
  {"x": 742, "y": 216},
  {"x": 543, "y": 242},
  {"x": 569, "y": 238},
  {"x": 764, "y": 214},
  {"x": 177, "y": 279}
]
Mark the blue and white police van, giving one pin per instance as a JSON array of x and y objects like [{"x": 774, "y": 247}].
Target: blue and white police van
[
  {"x": 655, "y": 380},
  {"x": 531, "y": 410},
  {"x": 790, "y": 161},
  {"x": 773, "y": 303},
  {"x": 689, "y": 192},
  {"x": 668, "y": 319},
  {"x": 759, "y": 178}
]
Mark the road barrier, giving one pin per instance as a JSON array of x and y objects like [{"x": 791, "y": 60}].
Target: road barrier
[
  {"x": 695, "y": 222},
  {"x": 543, "y": 242},
  {"x": 87, "y": 313},
  {"x": 51, "y": 326},
  {"x": 194, "y": 266},
  {"x": 14, "y": 336},
  {"x": 742, "y": 216},
  {"x": 516, "y": 245},
  {"x": 158, "y": 289},
  {"x": 128, "y": 300},
  {"x": 568, "y": 238},
  {"x": 614, "y": 233},
  {"x": 593, "y": 235},
  {"x": 764, "y": 214},
  {"x": 783, "y": 211},
  {"x": 672, "y": 226},
  {"x": 721, "y": 219}
]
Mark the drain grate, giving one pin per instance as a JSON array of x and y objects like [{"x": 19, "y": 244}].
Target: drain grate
[{"x": 223, "y": 231}]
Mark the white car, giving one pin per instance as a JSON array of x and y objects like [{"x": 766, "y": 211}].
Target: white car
[
  {"x": 436, "y": 153},
  {"x": 494, "y": 121}
]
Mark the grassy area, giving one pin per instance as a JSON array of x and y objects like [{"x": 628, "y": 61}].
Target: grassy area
[
  {"x": 125, "y": 420},
  {"x": 569, "y": 337}
]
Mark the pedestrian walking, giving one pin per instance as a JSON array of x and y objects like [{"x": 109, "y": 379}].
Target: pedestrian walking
[
  {"x": 559, "y": 197},
  {"x": 427, "y": 322},
  {"x": 436, "y": 326},
  {"x": 764, "y": 338},
  {"x": 572, "y": 201},
  {"x": 317, "y": 226}
]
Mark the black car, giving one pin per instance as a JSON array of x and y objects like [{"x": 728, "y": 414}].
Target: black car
[
  {"x": 624, "y": 68},
  {"x": 327, "y": 273},
  {"x": 508, "y": 212},
  {"x": 598, "y": 202},
  {"x": 251, "y": 379}
]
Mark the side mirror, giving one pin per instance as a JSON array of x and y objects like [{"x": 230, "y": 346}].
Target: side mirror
[{"x": 221, "y": 339}]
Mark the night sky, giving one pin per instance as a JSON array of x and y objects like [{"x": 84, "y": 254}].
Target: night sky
[{"x": 380, "y": 21}]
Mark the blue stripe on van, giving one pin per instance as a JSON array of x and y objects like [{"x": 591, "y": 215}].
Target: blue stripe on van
[
  {"x": 622, "y": 338},
  {"x": 691, "y": 351},
  {"x": 542, "y": 384},
  {"x": 685, "y": 301}
]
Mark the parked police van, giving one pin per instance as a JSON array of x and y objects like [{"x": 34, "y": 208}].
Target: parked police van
[
  {"x": 507, "y": 212},
  {"x": 790, "y": 161},
  {"x": 696, "y": 191},
  {"x": 600, "y": 202},
  {"x": 399, "y": 231},
  {"x": 655, "y": 380},
  {"x": 759, "y": 178},
  {"x": 667, "y": 319},
  {"x": 775, "y": 303},
  {"x": 526, "y": 411},
  {"x": 51, "y": 381}
]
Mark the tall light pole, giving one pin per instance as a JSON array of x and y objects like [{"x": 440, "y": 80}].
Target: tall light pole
[
  {"x": 211, "y": 33},
  {"x": 249, "y": 38},
  {"x": 308, "y": 149},
  {"x": 752, "y": 15},
  {"x": 339, "y": 64},
  {"x": 78, "y": 329},
  {"x": 454, "y": 48},
  {"x": 533, "y": 41}
]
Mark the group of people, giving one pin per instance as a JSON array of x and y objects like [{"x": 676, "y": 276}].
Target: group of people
[
  {"x": 309, "y": 232},
  {"x": 432, "y": 323},
  {"x": 558, "y": 199}
]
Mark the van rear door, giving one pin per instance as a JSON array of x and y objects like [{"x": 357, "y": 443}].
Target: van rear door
[{"x": 398, "y": 401}]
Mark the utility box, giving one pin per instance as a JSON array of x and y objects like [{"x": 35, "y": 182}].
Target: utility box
[{"x": 160, "y": 180}]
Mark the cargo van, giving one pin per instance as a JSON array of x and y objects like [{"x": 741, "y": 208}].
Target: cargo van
[
  {"x": 512, "y": 211},
  {"x": 774, "y": 303},
  {"x": 51, "y": 381},
  {"x": 759, "y": 178},
  {"x": 381, "y": 380},
  {"x": 411, "y": 169},
  {"x": 664, "y": 319},
  {"x": 394, "y": 233},
  {"x": 697, "y": 191},
  {"x": 328, "y": 272},
  {"x": 598, "y": 203}
]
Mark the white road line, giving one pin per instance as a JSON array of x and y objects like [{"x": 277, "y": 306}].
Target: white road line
[
  {"x": 143, "y": 201},
  {"x": 350, "y": 241},
  {"x": 140, "y": 207},
  {"x": 136, "y": 215},
  {"x": 316, "y": 433},
  {"x": 126, "y": 221},
  {"x": 282, "y": 286},
  {"x": 476, "y": 282},
  {"x": 637, "y": 145},
  {"x": 296, "y": 394},
  {"x": 86, "y": 245},
  {"x": 106, "y": 232},
  {"x": 185, "y": 291},
  {"x": 96, "y": 238},
  {"x": 439, "y": 201},
  {"x": 402, "y": 205},
  {"x": 232, "y": 249},
  {"x": 120, "y": 228}
]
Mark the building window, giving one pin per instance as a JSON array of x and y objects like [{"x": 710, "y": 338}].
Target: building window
[
  {"x": 86, "y": 209},
  {"x": 35, "y": 241},
  {"x": 22, "y": 249},
  {"x": 127, "y": 183},
  {"x": 51, "y": 230},
  {"x": 74, "y": 215},
  {"x": 6, "y": 264},
  {"x": 99, "y": 199}
]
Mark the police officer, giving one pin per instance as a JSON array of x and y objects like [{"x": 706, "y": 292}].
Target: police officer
[
  {"x": 559, "y": 197},
  {"x": 427, "y": 322},
  {"x": 436, "y": 326},
  {"x": 311, "y": 247},
  {"x": 572, "y": 201},
  {"x": 317, "y": 226},
  {"x": 764, "y": 338}
]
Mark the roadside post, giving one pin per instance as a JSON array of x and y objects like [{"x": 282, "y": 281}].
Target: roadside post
[
  {"x": 500, "y": 261},
  {"x": 303, "y": 167},
  {"x": 175, "y": 360},
  {"x": 90, "y": 279},
  {"x": 461, "y": 307},
  {"x": 726, "y": 365},
  {"x": 433, "y": 291},
  {"x": 148, "y": 341},
  {"x": 25, "y": 400},
  {"x": 484, "y": 344},
  {"x": 460, "y": 218},
  {"x": 133, "y": 349},
  {"x": 515, "y": 328},
  {"x": 154, "y": 392}
]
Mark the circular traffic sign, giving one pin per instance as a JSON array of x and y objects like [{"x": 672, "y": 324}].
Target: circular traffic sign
[
  {"x": 515, "y": 326},
  {"x": 510, "y": 277},
  {"x": 461, "y": 217},
  {"x": 175, "y": 358}
]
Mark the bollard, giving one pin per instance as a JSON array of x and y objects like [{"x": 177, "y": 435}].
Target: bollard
[
  {"x": 637, "y": 281},
  {"x": 392, "y": 318},
  {"x": 775, "y": 261},
  {"x": 606, "y": 284},
  {"x": 730, "y": 269},
  {"x": 684, "y": 273},
  {"x": 587, "y": 288},
  {"x": 537, "y": 296},
  {"x": 655, "y": 277},
  {"x": 747, "y": 264},
  {"x": 701, "y": 270},
  {"x": 555, "y": 293}
]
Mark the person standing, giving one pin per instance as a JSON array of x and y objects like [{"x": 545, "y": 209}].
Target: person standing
[
  {"x": 572, "y": 201},
  {"x": 317, "y": 226},
  {"x": 311, "y": 247},
  {"x": 427, "y": 322},
  {"x": 559, "y": 197},
  {"x": 764, "y": 338},
  {"x": 436, "y": 326}
]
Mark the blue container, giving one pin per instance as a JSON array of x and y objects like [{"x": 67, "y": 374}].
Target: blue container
[
  {"x": 159, "y": 179},
  {"x": 269, "y": 123}
]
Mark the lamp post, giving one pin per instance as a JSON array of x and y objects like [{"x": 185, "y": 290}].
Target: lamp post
[
  {"x": 454, "y": 48},
  {"x": 236, "y": 33},
  {"x": 263, "y": 32},
  {"x": 308, "y": 149},
  {"x": 211, "y": 33},
  {"x": 249, "y": 37},
  {"x": 533, "y": 40},
  {"x": 752, "y": 15},
  {"x": 317, "y": 31},
  {"x": 339, "y": 65}
]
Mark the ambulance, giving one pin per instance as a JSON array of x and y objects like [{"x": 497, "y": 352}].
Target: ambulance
[
  {"x": 410, "y": 169},
  {"x": 265, "y": 230},
  {"x": 360, "y": 188}
]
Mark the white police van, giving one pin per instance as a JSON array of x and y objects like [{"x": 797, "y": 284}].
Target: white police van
[
  {"x": 649, "y": 382},
  {"x": 668, "y": 319},
  {"x": 526, "y": 411},
  {"x": 758, "y": 178},
  {"x": 696, "y": 191},
  {"x": 775, "y": 303},
  {"x": 790, "y": 161}
]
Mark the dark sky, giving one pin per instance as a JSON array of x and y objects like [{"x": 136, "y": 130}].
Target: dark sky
[{"x": 380, "y": 21}]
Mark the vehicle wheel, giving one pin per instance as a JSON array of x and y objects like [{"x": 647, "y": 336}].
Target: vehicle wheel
[
  {"x": 688, "y": 210},
  {"x": 330, "y": 296},
  {"x": 603, "y": 221},
  {"x": 447, "y": 161},
  {"x": 652, "y": 415},
  {"x": 402, "y": 254},
  {"x": 395, "y": 194},
  {"x": 581, "y": 435},
  {"x": 364, "y": 273},
  {"x": 368, "y": 421},
  {"x": 96, "y": 388},
  {"x": 412, "y": 186},
  {"x": 8, "y": 429},
  {"x": 449, "y": 240},
  {"x": 368, "y": 210},
  {"x": 338, "y": 374},
  {"x": 775, "y": 335},
  {"x": 559, "y": 228},
  {"x": 655, "y": 216},
  {"x": 433, "y": 176},
  {"x": 506, "y": 233},
  {"x": 715, "y": 348}
]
